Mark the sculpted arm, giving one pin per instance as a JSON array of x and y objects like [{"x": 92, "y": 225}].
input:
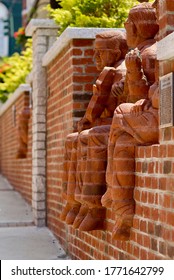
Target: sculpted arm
[
  {"x": 137, "y": 82},
  {"x": 101, "y": 91}
]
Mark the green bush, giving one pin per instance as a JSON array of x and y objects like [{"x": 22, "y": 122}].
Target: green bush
[
  {"x": 91, "y": 13},
  {"x": 13, "y": 71}
]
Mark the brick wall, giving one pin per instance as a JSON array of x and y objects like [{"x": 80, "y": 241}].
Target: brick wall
[
  {"x": 17, "y": 171},
  {"x": 154, "y": 196},
  {"x": 69, "y": 86}
]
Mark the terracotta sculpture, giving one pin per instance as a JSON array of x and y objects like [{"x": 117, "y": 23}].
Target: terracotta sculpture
[
  {"x": 24, "y": 116},
  {"x": 133, "y": 124},
  {"x": 110, "y": 50}
]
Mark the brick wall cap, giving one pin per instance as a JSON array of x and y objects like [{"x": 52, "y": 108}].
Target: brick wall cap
[
  {"x": 35, "y": 24},
  {"x": 69, "y": 34},
  {"x": 165, "y": 50},
  {"x": 18, "y": 92}
]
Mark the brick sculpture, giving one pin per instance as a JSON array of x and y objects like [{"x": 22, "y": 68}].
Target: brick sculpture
[
  {"x": 133, "y": 124},
  {"x": 24, "y": 116},
  {"x": 110, "y": 50}
]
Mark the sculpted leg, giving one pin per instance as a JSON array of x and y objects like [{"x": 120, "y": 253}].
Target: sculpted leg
[
  {"x": 107, "y": 197},
  {"x": 92, "y": 176},
  {"x": 127, "y": 132},
  {"x": 94, "y": 184},
  {"x": 120, "y": 176},
  {"x": 69, "y": 179},
  {"x": 123, "y": 185},
  {"x": 114, "y": 133},
  {"x": 81, "y": 166}
]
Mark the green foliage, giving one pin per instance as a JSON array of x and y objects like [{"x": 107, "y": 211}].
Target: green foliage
[
  {"x": 13, "y": 71},
  {"x": 91, "y": 13},
  {"x": 20, "y": 37}
]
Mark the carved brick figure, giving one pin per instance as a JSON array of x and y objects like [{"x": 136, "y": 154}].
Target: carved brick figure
[
  {"x": 24, "y": 116},
  {"x": 110, "y": 50},
  {"x": 133, "y": 124}
]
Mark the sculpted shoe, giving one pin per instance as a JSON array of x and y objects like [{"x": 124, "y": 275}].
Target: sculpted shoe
[
  {"x": 65, "y": 211},
  {"x": 106, "y": 199},
  {"x": 80, "y": 216},
  {"x": 94, "y": 219},
  {"x": 70, "y": 217},
  {"x": 121, "y": 230}
]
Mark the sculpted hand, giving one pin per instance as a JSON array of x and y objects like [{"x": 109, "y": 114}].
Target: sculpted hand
[
  {"x": 133, "y": 60},
  {"x": 117, "y": 89},
  {"x": 83, "y": 124},
  {"x": 139, "y": 107}
]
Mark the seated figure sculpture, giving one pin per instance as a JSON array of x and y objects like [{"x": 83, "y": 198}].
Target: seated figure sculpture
[
  {"x": 141, "y": 28},
  {"x": 133, "y": 125},
  {"x": 110, "y": 51},
  {"x": 24, "y": 116}
]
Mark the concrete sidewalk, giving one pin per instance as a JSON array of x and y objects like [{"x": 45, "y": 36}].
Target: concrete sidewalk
[{"x": 19, "y": 238}]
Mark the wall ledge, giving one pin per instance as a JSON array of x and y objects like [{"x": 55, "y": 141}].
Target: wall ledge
[
  {"x": 18, "y": 92},
  {"x": 165, "y": 50},
  {"x": 69, "y": 34}
]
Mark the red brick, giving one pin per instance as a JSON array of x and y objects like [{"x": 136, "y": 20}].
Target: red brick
[
  {"x": 150, "y": 227},
  {"x": 143, "y": 254},
  {"x": 155, "y": 214},
  {"x": 77, "y": 52},
  {"x": 169, "y": 5},
  {"x": 90, "y": 69},
  {"x": 143, "y": 225},
  {"x": 155, "y": 150},
  {"x": 148, "y": 151},
  {"x": 148, "y": 182},
  {"x": 82, "y": 43},
  {"x": 170, "y": 218},
  {"x": 89, "y": 52},
  {"x": 77, "y": 69},
  {"x": 144, "y": 196},
  {"x": 83, "y": 79},
  {"x": 162, "y": 216}
]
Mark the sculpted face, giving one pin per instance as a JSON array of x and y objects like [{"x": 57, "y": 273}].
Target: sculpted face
[
  {"x": 131, "y": 33},
  {"x": 102, "y": 55}
]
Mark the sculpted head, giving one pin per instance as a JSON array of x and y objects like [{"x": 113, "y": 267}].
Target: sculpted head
[
  {"x": 155, "y": 5},
  {"x": 141, "y": 24},
  {"x": 110, "y": 47}
]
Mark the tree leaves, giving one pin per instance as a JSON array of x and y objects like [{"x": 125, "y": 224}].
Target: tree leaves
[
  {"x": 13, "y": 71},
  {"x": 91, "y": 13}
]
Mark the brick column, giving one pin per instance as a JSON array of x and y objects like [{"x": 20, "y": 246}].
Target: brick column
[
  {"x": 44, "y": 33},
  {"x": 166, "y": 17}
]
